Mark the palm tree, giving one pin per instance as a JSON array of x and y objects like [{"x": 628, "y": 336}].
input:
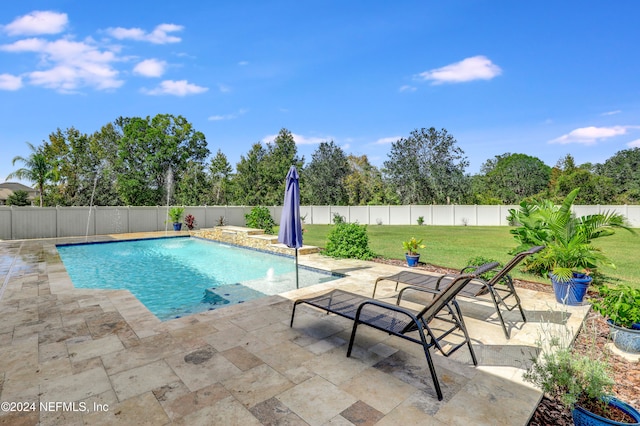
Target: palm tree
[
  {"x": 567, "y": 238},
  {"x": 36, "y": 169}
]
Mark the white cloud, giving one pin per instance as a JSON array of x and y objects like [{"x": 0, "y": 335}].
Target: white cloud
[
  {"x": 224, "y": 89},
  {"x": 37, "y": 22},
  {"x": 469, "y": 69},
  {"x": 407, "y": 88},
  {"x": 10, "y": 82},
  {"x": 159, "y": 35},
  {"x": 590, "y": 135},
  {"x": 176, "y": 88},
  {"x": 385, "y": 141},
  {"x": 150, "y": 68},
  {"x": 346, "y": 147},
  {"x": 227, "y": 116},
  {"x": 243, "y": 63},
  {"x": 300, "y": 139},
  {"x": 612, "y": 112},
  {"x": 634, "y": 144},
  {"x": 71, "y": 64}
]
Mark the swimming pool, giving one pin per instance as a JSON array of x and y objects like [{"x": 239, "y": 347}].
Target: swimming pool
[{"x": 178, "y": 276}]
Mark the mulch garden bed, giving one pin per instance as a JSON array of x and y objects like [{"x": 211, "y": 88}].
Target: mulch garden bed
[{"x": 626, "y": 373}]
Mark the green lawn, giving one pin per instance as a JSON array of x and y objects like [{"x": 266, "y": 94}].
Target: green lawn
[{"x": 452, "y": 246}]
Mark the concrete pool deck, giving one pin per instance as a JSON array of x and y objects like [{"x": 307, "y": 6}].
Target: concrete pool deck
[{"x": 77, "y": 356}]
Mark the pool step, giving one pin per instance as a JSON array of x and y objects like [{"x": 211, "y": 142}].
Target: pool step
[{"x": 230, "y": 294}]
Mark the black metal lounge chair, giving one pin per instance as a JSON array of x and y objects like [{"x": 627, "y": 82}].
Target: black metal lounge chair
[
  {"x": 477, "y": 287},
  {"x": 400, "y": 321}
]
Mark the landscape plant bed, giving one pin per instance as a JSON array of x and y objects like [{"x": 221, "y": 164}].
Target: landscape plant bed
[{"x": 626, "y": 373}]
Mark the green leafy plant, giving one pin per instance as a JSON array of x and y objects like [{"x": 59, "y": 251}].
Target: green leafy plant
[
  {"x": 338, "y": 218},
  {"x": 348, "y": 240},
  {"x": 621, "y": 304},
  {"x": 175, "y": 214},
  {"x": 260, "y": 218},
  {"x": 420, "y": 220},
  {"x": 481, "y": 260},
  {"x": 222, "y": 221},
  {"x": 413, "y": 245},
  {"x": 572, "y": 378},
  {"x": 567, "y": 238}
]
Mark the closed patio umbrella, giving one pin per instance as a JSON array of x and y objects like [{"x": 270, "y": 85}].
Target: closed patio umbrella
[{"x": 290, "y": 232}]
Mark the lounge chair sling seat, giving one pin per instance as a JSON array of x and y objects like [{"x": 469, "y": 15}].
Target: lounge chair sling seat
[
  {"x": 505, "y": 297},
  {"x": 401, "y": 321}
]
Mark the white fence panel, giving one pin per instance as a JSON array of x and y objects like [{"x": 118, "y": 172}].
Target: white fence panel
[
  {"x": 5, "y": 223},
  {"x": 320, "y": 215},
  {"x": 34, "y": 222},
  {"x": 399, "y": 215},
  {"x": 420, "y": 211},
  {"x": 146, "y": 219},
  {"x": 379, "y": 215},
  {"x": 72, "y": 221},
  {"x": 111, "y": 220},
  {"x": 443, "y": 215},
  {"x": 465, "y": 215},
  {"x": 359, "y": 214}
]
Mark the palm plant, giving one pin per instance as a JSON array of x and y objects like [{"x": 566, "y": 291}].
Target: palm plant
[
  {"x": 567, "y": 238},
  {"x": 36, "y": 169}
]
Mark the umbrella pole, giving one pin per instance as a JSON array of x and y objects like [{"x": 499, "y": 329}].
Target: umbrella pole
[{"x": 297, "y": 283}]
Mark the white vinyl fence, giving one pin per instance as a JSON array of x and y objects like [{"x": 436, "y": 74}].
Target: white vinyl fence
[{"x": 50, "y": 222}]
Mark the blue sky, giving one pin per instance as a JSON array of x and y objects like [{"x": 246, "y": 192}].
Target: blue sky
[{"x": 543, "y": 78}]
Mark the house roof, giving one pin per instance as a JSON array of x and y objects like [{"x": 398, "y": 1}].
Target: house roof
[{"x": 15, "y": 186}]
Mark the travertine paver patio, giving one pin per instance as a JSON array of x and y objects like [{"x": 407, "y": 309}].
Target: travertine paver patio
[{"x": 77, "y": 356}]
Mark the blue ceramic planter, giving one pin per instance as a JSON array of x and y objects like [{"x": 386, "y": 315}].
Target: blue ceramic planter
[
  {"x": 582, "y": 417},
  {"x": 177, "y": 226},
  {"x": 571, "y": 292},
  {"x": 625, "y": 339},
  {"x": 412, "y": 259}
]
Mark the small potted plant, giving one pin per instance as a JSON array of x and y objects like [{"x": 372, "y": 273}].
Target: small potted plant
[
  {"x": 175, "y": 215},
  {"x": 412, "y": 247},
  {"x": 621, "y": 306},
  {"x": 190, "y": 221},
  {"x": 582, "y": 383}
]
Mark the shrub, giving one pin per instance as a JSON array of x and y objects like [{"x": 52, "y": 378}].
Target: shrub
[
  {"x": 348, "y": 240},
  {"x": 338, "y": 219},
  {"x": 175, "y": 214},
  {"x": 260, "y": 218},
  {"x": 481, "y": 260},
  {"x": 190, "y": 221},
  {"x": 420, "y": 220},
  {"x": 18, "y": 198}
]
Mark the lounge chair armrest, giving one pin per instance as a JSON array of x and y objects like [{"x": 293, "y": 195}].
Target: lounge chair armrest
[
  {"x": 388, "y": 306},
  {"x": 449, "y": 276}
]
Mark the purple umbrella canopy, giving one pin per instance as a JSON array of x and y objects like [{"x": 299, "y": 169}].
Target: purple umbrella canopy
[{"x": 290, "y": 232}]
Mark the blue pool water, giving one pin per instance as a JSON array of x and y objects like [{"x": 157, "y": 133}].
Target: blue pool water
[{"x": 174, "y": 277}]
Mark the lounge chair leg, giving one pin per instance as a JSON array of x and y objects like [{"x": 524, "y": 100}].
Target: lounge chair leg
[
  {"x": 293, "y": 313},
  {"x": 432, "y": 368},
  {"x": 463, "y": 327},
  {"x": 353, "y": 338}
]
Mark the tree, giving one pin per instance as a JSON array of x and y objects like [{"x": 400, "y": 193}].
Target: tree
[
  {"x": 624, "y": 169},
  {"x": 36, "y": 169},
  {"x": 513, "y": 177},
  {"x": 427, "y": 167},
  {"x": 323, "y": 178},
  {"x": 565, "y": 176},
  {"x": 279, "y": 157},
  {"x": 220, "y": 177},
  {"x": 18, "y": 198},
  {"x": 192, "y": 189},
  {"x": 150, "y": 151},
  {"x": 364, "y": 183},
  {"x": 247, "y": 183}
]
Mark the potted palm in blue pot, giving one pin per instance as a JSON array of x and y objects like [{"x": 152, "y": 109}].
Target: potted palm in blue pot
[
  {"x": 412, "y": 247},
  {"x": 175, "y": 215},
  {"x": 569, "y": 256}
]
